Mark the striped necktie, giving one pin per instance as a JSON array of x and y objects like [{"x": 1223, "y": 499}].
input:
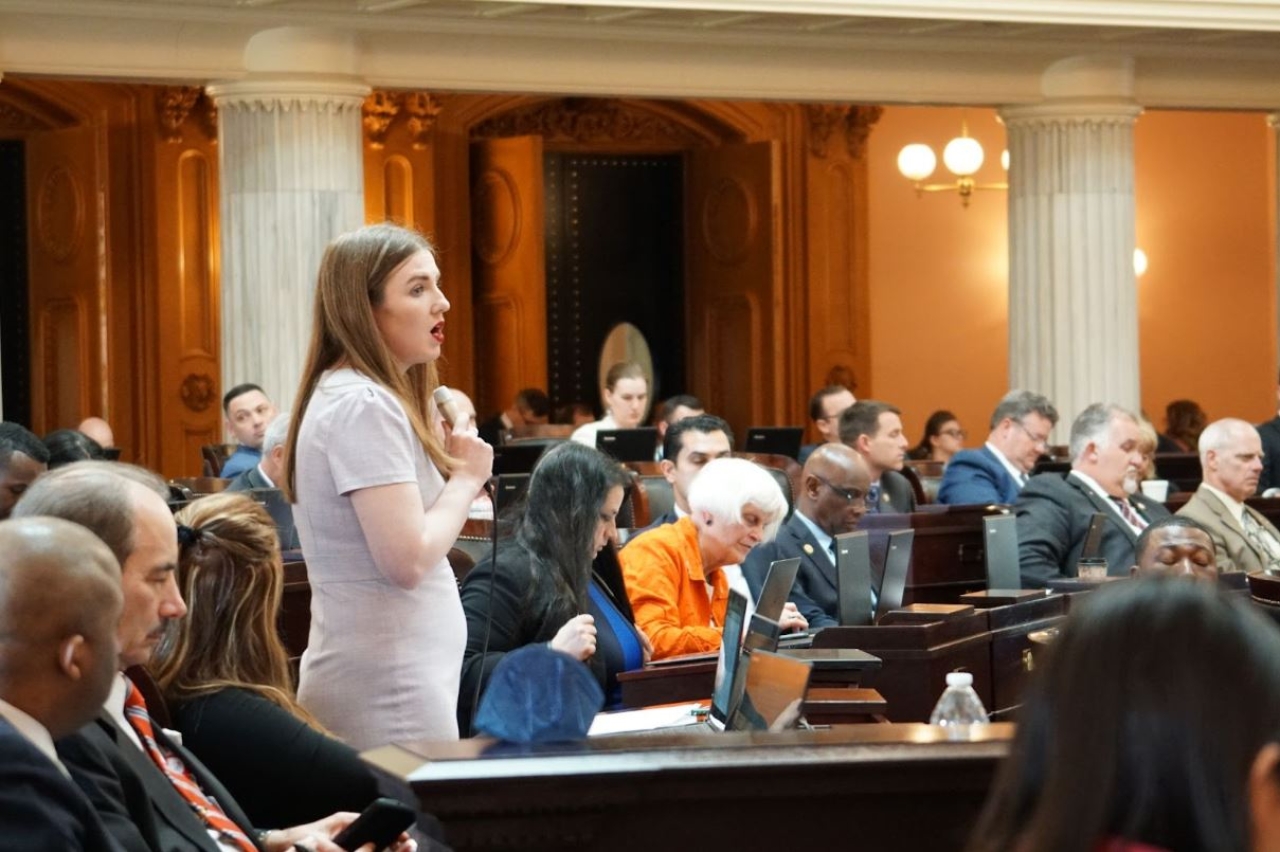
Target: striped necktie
[
  {"x": 213, "y": 817},
  {"x": 1261, "y": 537},
  {"x": 1135, "y": 520}
]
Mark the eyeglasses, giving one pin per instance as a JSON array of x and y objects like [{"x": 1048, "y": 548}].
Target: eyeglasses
[
  {"x": 850, "y": 495},
  {"x": 954, "y": 433},
  {"x": 1038, "y": 440}
]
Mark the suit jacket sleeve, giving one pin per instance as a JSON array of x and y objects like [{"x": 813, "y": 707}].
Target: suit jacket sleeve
[
  {"x": 94, "y": 773},
  {"x": 967, "y": 481},
  {"x": 41, "y": 809},
  {"x": 1044, "y": 535}
]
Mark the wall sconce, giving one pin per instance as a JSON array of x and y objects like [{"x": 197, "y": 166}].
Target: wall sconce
[
  {"x": 963, "y": 157},
  {"x": 1139, "y": 262}
]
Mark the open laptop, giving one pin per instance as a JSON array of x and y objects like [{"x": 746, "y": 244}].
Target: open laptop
[
  {"x": 854, "y": 603},
  {"x": 778, "y": 440},
  {"x": 773, "y": 696},
  {"x": 628, "y": 445},
  {"x": 897, "y": 563},
  {"x": 765, "y": 630},
  {"x": 1000, "y": 552},
  {"x": 724, "y": 696}
]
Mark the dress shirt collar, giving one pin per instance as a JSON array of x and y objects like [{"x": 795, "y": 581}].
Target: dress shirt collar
[
  {"x": 36, "y": 733},
  {"x": 824, "y": 540},
  {"x": 115, "y": 708},
  {"x": 1019, "y": 476},
  {"x": 1234, "y": 506},
  {"x": 1107, "y": 498}
]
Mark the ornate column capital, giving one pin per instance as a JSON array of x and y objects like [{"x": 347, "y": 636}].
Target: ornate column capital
[
  {"x": 854, "y": 122},
  {"x": 271, "y": 94},
  {"x": 1073, "y": 113}
]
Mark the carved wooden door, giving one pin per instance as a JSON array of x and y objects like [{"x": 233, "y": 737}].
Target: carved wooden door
[
  {"x": 508, "y": 270},
  {"x": 67, "y": 279},
  {"x": 736, "y": 317}
]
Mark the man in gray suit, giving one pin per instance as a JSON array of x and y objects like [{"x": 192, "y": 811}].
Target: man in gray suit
[
  {"x": 1054, "y": 510},
  {"x": 833, "y": 498},
  {"x": 1231, "y": 457},
  {"x": 874, "y": 429}
]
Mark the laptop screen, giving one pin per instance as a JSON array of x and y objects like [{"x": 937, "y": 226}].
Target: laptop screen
[
  {"x": 730, "y": 651},
  {"x": 897, "y": 564},
  {"x": 778, "y": 440},
  {"x": 774, "y": 694},
  {"x": 777, "y": 588},
  {"x": 628, "y": 445},
  {"x": 853, "y": 579}
]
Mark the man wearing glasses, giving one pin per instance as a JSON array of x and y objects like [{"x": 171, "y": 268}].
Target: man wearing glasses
[
  {"x": 825, "y": 408},
  {"x": 833, "y": 498},
  {"x": 1020, "y": 428}
]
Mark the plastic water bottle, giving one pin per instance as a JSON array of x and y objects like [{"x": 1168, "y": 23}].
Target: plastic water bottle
[{"x": 959, "y": 707}]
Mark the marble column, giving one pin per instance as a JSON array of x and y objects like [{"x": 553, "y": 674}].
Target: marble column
[
  {"x": 291, "y": 179},
  {"x": 1073, "y": 323}
]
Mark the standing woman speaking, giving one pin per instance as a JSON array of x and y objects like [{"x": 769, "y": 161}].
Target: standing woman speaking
[{"x": 380, "y": 496}]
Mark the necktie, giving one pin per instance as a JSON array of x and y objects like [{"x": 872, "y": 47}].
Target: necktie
[
  {"x": 873, "y": 498},
  {"x": 1260, "y": 537},
  {"x": 831, "y": 548},
  {"x": 214, "y": 818},
  {"x": 1135, "y": 520}
]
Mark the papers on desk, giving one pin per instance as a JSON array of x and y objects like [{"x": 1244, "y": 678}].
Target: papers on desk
[{"x": 647, "y": 719}]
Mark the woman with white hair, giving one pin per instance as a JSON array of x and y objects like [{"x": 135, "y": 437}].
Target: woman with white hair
[{"x": 673, "y": 574}]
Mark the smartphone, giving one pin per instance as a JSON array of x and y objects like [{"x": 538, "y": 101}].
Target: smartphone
[{"x": 380, "y": 824}]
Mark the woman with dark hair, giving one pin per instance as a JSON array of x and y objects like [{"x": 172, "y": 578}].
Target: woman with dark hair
[
  {"x": 67, "y": 445},
  {"x": 943, "y": 438},
  {"x": 380, "y": 495},
  {"x": 225, "y": 674},
  {"x": 543, "y": 587},
  {"x": 1152, "y": 726}
]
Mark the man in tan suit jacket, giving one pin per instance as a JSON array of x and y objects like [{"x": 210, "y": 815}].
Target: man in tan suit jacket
[{"x": 1243, "y": 539}]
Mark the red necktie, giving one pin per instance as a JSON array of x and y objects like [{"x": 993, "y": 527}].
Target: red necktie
[{"x": 214, "y": 818}]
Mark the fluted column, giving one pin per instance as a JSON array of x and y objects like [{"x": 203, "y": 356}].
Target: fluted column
[
  {"x": 1073, "y": 323},
  {"x": 291, "y": 179}
]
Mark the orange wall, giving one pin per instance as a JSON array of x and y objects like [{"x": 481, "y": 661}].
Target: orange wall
[
  {"x": 1206, "y": 306},
  {"x": 938, "y": 276}
]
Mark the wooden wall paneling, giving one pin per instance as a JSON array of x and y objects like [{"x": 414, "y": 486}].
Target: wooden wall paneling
[
  {"x": 509, "y": 257},
  {"x": 66, "y": 265},
  {"x": 451, "y": 204},
  {"x": 733, "y": 281}
]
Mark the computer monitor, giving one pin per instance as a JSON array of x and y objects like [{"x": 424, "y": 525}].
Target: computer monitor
[
  {"x": 897, "y": 564},
  {"x": 629, "y": 445},
  {"x": 778, "y": 440},
  {"x": 777, "y": 588},
  {"x": 853, "y": 579},
  {"x": 723, "y": 697}
]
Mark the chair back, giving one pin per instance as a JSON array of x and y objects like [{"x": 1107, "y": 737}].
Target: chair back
[{"x": 929, "y": 473}]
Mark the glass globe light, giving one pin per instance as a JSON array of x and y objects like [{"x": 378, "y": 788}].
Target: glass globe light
[
  {"x": 962, "y": 156},
  {"x": 1139, "y": 262},
  {"x": 917, "y": 162}
]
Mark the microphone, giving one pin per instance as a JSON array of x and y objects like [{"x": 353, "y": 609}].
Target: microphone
[{"x": 449, "y": 409}]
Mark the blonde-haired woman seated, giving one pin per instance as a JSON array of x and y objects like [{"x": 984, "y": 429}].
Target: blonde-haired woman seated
[{"x": 225, "y": 674}]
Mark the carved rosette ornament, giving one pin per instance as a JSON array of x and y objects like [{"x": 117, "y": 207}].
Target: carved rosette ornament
[
  {"x": 422, "y": 109},
  {"x": 198, "y": 392},
  {"x": 380, "y": 109},
  {"x": 174, "y": 104},
  {"x": 852, "y": 122}
]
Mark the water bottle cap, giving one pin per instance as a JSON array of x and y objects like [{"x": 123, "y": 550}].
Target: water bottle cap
[{"x": 959, "y": 679}]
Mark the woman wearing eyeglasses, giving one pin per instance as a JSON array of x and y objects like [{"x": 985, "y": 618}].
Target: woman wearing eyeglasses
[{"x": 943, "y": 438}]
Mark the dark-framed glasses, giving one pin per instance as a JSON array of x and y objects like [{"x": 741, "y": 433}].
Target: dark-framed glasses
[{"x": 850, "y": 495}]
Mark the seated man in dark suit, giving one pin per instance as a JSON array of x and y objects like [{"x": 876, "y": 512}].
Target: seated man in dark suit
[
  {"x": 59, "y": 604},
  {"x": 1054, "y": 510},
  {"x": 23, "y": 457},
  {"x": 1175, "y": 546},
  {"x": 1020, "y": 428},
  {"x": 874, "y": 429},
  {"x": 269, "y": 471},
  {"x": 1243, "y": 538},
  {"x": 150, "y": 792},
  {"x": 690, "y": 443},
  {"x": 248, "y": 412},
  {"x": 1269, "y": 432},
  {"x": 530, "y": 408},
  {"x": 833, "y": 498},
  {"x": 825, "y": 408}
]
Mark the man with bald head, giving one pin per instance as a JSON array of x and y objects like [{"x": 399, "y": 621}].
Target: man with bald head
[
  {"x": 59, "y": 603},
  {"x": 99, "y": 430},
  {"x": 140, "y": 780},
  {"x": 1232, "y": 459},
  {"x": 1175, "y": 547},
  {"x": 832, "y": 499}
]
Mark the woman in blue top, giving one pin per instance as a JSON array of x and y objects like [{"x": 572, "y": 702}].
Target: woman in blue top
[{"x": 544, "y": 588}]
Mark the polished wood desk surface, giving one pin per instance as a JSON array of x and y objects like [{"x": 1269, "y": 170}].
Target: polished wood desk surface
[{"x": 733, "y": 790}]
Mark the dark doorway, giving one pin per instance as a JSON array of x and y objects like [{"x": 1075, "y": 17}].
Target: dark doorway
[
  {"x": 614, "y": 243},
  {"x": 15, "y": 369}
]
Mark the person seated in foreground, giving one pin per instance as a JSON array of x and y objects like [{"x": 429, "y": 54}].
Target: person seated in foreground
[
  {"x": 995, "y": 472},
  {"x": 1054, "y": 510},
  {"x": 23, "y": 457},
  {"x": 1151, "y": 727},
  {"x": 248, "y": 411},
  {"x": 1231, "y": 459},
  {"x": 833, "y": 498},
  {"x": 1175, "y": 546},
  {"x": 225, "y": 675},
  {"x": 672, "y": 572},
  {"x": 151, "y": 793},
  {"x": 942, "y": 438},
  {"x": 874, "y": 429},
  {"x": 542, "y": 587},
  {"x": 60, "y": 601},
  {"x": 269, "y": 471}
]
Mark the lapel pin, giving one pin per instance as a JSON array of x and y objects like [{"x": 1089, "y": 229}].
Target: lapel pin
[{"x": 808, "y": 549}]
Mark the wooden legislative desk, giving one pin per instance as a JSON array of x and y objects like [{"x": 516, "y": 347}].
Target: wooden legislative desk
[{"x": 863, "y": 785}]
